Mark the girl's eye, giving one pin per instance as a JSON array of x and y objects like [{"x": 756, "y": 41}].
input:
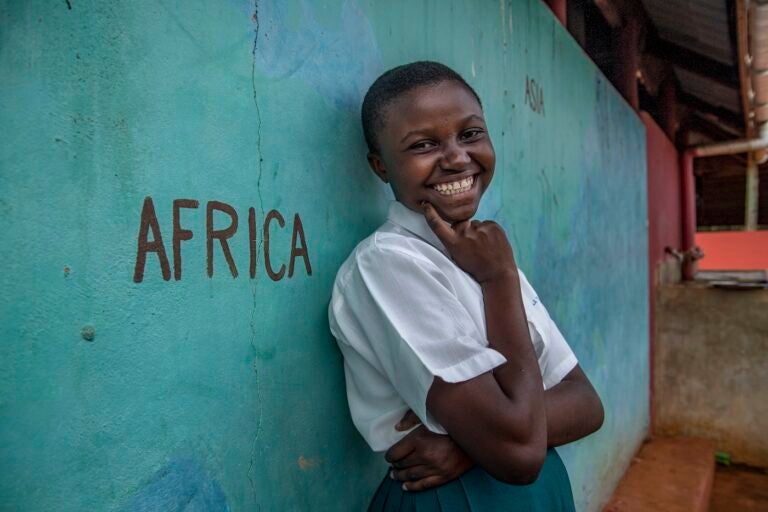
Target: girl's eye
[
  {"x": 422, "y": 145},
  {"x": 471, "y": 134}
]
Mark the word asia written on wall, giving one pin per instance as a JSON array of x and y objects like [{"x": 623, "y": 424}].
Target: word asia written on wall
[
  {"x": 218, "y": 236},
  {"x": 534, "y": 95}
]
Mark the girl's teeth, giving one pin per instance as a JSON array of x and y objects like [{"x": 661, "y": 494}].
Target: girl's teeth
[{"x": 455, "y": 187}]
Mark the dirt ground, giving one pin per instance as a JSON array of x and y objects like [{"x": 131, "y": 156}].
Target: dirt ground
[{"x": 739, "y": 488}]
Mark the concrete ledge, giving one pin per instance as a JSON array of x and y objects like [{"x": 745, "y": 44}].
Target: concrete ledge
[{"x": 669, "y": 474}]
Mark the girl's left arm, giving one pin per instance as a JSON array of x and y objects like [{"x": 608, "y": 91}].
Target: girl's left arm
[
  {"x": 423, "y": 459},
  {"x": 573, "y": 409}
]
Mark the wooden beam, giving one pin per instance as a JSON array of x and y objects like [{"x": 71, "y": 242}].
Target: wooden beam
[
  {"x": 718, "y": 131},
  {"x": 576, "y": 21},
  {"x": 723, "y": 166},
  {"x": 722, "y": 113},
  {"x": 611, "y": 12},
  {"x": 751, "y": 200},
  {"x": 740, "y": 14},
  {"x": 559, "y": 8},
  {"x": 654, "y": 73},
  {"x": 693, "y": 62},
  {"x": 627, "y": 62}
]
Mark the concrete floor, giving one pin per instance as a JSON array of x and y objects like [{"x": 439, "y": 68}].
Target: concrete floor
[
  {"x": 739, "y": 488},
  {"x": 667, "y": 475}
]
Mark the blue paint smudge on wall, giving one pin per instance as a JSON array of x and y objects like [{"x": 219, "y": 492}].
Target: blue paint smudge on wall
[
  {"x": 339, "y": 63},
  {"x": 181, "y": 486},
  {"x": 599, "y": 295}
]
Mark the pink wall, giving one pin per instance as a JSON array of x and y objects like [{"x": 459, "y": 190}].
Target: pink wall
[
  {"x": 664, "y": 215},
  {"x": 733, "y": 250},
  {"x": 664, "y": 199}
]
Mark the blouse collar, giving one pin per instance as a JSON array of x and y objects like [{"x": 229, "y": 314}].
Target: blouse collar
[{"x": 414, "y": 222}]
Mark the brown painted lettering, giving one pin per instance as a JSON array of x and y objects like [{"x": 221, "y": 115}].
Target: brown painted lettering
[
  {"x": 149, "y": 221},
  {"x": 221, "y": 234},
  {"x": 534, "y": 95},
  {"x": 296, "y": 251},
  {"x": 275, "y": 276},
  {"x": 179, "y": 233},
  {"x": 252, "y": 240}
]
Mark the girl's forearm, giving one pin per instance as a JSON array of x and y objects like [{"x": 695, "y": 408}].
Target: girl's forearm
[
  {"x": 520, "y": 377},
  {"x": 506, "y": 406},
  {"x": 573, "y": 409}
]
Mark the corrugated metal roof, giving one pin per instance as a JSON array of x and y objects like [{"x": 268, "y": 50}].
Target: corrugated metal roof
[
  {"x": 701, "y": 27},
  {"x": 708, "y": 90},
  {"x": 698, "y": 25}
]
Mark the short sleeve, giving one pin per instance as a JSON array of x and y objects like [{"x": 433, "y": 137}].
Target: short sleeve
[
  {"x": 556, "y": 359},
  {"x": 407, "y": 311}
]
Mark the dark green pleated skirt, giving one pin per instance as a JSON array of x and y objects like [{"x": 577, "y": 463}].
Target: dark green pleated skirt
[{"x": 478, "y": 491}]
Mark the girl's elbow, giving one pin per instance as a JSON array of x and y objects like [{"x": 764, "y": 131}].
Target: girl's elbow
[
  {"x": 522, "y": 475},
  {"x": 521, "y": 465},
  {"x": 598, "y": 414},
  {"x": 601, "y": 417}
]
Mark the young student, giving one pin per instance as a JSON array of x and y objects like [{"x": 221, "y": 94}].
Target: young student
[{"x": 435, "y": 320}]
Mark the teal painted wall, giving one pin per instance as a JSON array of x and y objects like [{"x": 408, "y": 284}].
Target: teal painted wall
[{"x": 222, "y": 393}]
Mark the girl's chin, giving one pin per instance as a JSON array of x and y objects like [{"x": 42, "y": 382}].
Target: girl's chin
[
  {"x": 454, "y": 214},
  {"x": 450, "y": 212},
  {"x": 458, "y": 209}
]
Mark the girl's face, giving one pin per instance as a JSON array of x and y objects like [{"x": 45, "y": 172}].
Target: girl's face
[{"x": 434, "y": 146}]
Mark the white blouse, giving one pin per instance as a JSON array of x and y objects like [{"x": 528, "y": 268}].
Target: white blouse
[{"x": 403, "y": 312}]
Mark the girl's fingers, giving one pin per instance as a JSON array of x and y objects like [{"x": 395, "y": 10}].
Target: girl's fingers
[
  {"x": 411, "y": 460},
  {"x": 424, "y": 483},
  {"x": 462, "y": 227},
  {"x": 410, "y": 474},
  {"x": 399, "y": 450},
  {"x": 441, "y": 228},
  {"x": 403, "y": 453},
  {"x": 408, "y": 421}
]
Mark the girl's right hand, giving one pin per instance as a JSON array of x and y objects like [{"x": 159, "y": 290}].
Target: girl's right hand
[
  {"x": 481, "y": 249},
  {"x": 508, "y": 404}
]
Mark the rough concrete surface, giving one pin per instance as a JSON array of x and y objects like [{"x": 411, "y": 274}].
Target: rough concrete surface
[
  {"x": 739, "y": 489},
  {"x": 711, "y": 368},
  {"x": 669, "y": 475}
]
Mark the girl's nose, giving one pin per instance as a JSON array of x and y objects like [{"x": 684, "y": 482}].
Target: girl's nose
[{"x": 454, "y": 158}]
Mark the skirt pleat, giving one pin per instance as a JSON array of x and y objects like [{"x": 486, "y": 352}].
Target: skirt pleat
[
  {"x": 453, "y": 498},
  {"x": 379, "y": 500}
]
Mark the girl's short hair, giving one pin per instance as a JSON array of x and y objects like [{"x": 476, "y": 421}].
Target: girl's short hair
[{"x": 396, "y": 82}]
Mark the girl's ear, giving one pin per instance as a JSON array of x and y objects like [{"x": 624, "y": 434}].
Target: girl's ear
[{"x": 377, "y": 166}]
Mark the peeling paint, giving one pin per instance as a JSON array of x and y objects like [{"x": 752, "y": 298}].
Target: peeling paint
[{"x": 305, "y": 463}]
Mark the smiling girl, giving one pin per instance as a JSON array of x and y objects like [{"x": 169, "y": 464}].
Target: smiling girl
[{"x": 433, "y": 316}]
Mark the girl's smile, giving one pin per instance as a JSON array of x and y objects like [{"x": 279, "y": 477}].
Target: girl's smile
[
  {"x": 434, "y": 146},
  {"x": 455, "y": 187}
]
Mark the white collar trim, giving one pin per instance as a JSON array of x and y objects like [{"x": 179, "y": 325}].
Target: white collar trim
[{"x": 415, "y": 222}]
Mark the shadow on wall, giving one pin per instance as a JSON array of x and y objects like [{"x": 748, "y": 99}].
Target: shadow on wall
[{"x": 181, "y": 486}]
